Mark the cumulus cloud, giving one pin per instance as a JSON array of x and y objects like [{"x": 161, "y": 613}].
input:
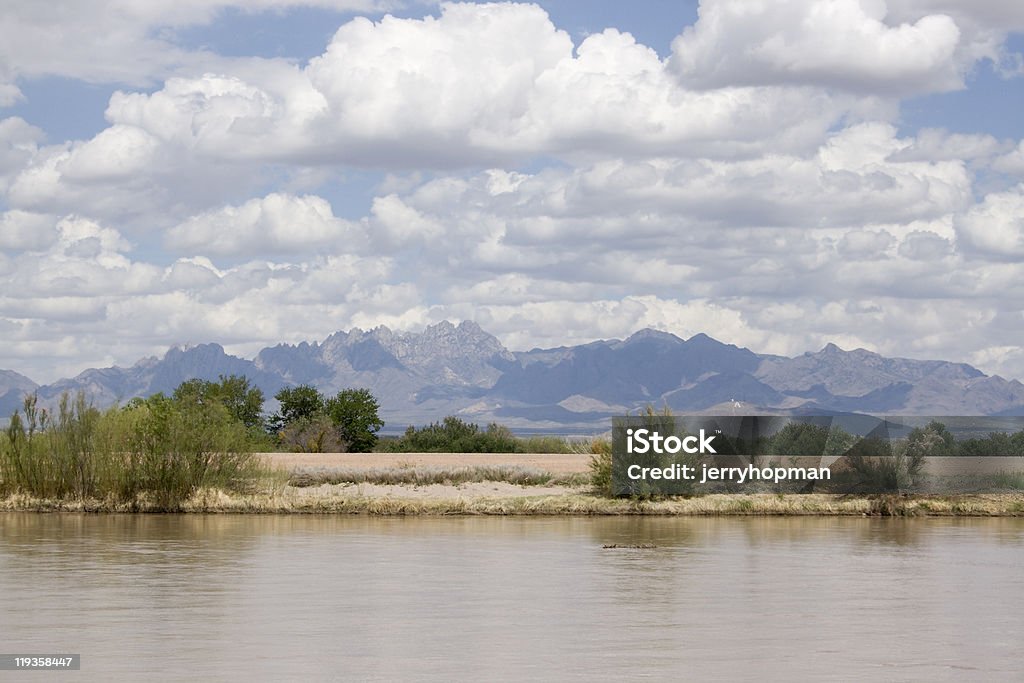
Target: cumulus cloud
[
  {"x": 1012, "y": 162},
  {"x": 995, "y": 227},
  {"x": 481, "y": 83},
  {"x": 866, "y": 243},
  {"x": 983, "y": 24},
  {"x": 936, "y": 144},
  {"x": 112, "y": 41},
  {"x": 827, "y": 43},
  {"x": 766, "y": 199},
  {"x": 490, "y": 84},
  {"x": 19, "y": 142},
  {"x": 9, "y": 94},
  {"x": 273, "y": 224},
  {"x": 25, "y": 230},
  {"x": 123, "y": 174},
  {"x": 924, "y": 245}
]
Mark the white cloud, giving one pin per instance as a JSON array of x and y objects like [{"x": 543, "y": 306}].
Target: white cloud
[
  {"x": 274, "y": 224},
  {"x": 866, "y": 243},
  {"x": 481, "y": 83},
  {"x": 935, "y": 144},
  {"x": 474, "y": 64},
  {"x": 984, "y": 25},
  {"x": 9, "y": 94},
  {"x": 19, "y": 142},
  {"x": 117, "y": 153},
  {"x": 1012, "y": 162},
  {"x": 995, "y": 227},
  {"x": 118, "y": 41},
  {"x": 769, "y": 202},
  {"x": 925, "y": 245},
  {"x": 828, "y": 43},
  {"x": 25, "y": 230},
  {"x": 124, "y": 174}
]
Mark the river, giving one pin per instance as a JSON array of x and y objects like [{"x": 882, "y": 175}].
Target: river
[{"x": 506, "y": 598}]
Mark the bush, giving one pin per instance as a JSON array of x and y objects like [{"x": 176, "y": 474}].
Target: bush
[
  {"x": 52, "y": 458},
  {"x": 161, "y": 447},
  {"x": 877, "y": 465},
  {"x": 600, "y": 466},
  {"x": 312, "y": 434},
  {"x": 454, "y": 435},
  {"x": 809, "y": 439}
]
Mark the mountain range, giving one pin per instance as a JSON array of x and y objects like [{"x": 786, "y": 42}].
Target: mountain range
[{"x": 462, "y": 370}]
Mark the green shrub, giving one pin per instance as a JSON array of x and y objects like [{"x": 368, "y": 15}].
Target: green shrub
[
  {"x": 160, "y": 448},
  {"x": 454, "y": 435},
  {"x": 600, "y": 466},
  {"x": 875, "y": 465},
  {"x": 544, "y": 444}
]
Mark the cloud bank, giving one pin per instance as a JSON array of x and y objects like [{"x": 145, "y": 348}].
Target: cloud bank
[{"x": 757, "y": 184}]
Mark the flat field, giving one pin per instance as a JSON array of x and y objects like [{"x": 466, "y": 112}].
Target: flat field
[{"x": 555, "y": 463}]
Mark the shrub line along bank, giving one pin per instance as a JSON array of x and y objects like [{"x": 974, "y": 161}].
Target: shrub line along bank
[{"x": 193, "y": 451}]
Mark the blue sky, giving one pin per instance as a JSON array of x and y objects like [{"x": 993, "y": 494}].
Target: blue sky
[{"x": 778, "y": 176}]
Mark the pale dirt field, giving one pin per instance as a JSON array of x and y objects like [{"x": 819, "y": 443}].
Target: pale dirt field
[
  {"x": 469, "y": 490},
  {"x": 555, "y": 463}
]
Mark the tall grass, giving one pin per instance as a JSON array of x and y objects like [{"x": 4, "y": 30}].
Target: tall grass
[
  {"x": 600, "y": 451},
  {"x": 160, "y": 450}
]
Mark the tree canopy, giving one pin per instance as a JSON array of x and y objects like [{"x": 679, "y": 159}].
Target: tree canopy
[{"x": 308, "y": 421}]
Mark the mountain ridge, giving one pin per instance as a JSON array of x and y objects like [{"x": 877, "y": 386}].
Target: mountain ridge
[{"x": 461, "y": 369}]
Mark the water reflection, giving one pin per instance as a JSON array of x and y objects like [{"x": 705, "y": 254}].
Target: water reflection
[{"x": 498, "y": 598}]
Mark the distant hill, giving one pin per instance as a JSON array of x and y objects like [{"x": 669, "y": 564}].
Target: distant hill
[
  {"x": 462, "y": 369},
  {"x": 13, "y": 387}
]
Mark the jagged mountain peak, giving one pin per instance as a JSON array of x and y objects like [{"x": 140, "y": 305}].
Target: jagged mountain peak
[
  {"x": 447, "y": 367},
  {"x": 195, "y": 350}
]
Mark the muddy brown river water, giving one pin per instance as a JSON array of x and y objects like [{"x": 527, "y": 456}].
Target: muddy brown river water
[{"x": 232, "y": 597}]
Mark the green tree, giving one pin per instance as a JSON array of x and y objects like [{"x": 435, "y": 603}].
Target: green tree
[
  {"x": 355, "y": 413},
  {"x": 807, "y": 438},
  {"x": 299, "y": 402},
  {"x": 933, "y": 439},
  {"x": 242, "y": 401}
]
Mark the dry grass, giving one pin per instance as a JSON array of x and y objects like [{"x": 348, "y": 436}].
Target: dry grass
[
  {"x": 422, "y": 476},
  {"x": 556, "y": 463},
  {"x": 345, "y": 500}
]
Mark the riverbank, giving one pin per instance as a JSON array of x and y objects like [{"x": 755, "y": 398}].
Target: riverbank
[
  {"x": 498, "y": 484},
  {"x": 507, "y": 499}
]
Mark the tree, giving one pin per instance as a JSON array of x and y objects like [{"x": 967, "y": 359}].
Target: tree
[
  {"x": 242, "y": 401},
  {"x": 354, "y": 413},
  {"x": 297, "y": 403},
  {"x": 933, "y": 439}
]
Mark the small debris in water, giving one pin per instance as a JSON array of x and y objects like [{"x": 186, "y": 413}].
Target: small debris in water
[{"x": 629, "y": 545}]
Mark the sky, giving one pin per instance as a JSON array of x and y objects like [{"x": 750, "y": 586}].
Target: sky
[{"x": 778, "y": 175}]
